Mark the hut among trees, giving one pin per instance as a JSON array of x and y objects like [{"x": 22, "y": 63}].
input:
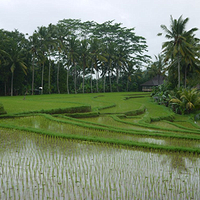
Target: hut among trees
[{"x": 155, "y": 81}]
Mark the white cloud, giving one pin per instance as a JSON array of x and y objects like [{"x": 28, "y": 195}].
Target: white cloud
[{"x": 145, "y": 15}]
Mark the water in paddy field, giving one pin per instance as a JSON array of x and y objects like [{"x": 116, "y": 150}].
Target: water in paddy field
[
  {"x": 38, "y": 167},
  {"x": 41, "y": 123}
]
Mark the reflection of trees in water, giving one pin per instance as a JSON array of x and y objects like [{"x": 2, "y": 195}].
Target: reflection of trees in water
[
  {"x": 178, "y": 161},
  {"x": 10, "y": 140},
  {"x": 14, "y": 143}
]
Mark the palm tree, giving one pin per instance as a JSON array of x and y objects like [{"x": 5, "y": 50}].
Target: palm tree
[
  {"x": 16, "y": 59},
  {"x": 44, "y": 45},
  {"x": 73, "y": 56},
  {"x": 189, "y": 100},
  {"x": 34, "y": 49},
  {"x": 177, "y": 47},
  {"x": 97, "y": 56},
  {"x": 157, "y": 67},
  {"x": 13, "y": 52},
  {"x": 191, "y": 62},
  {"x": 84, "y": 58}
]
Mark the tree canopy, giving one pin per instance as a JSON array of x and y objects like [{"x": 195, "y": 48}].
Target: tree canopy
[
  {"x": 64, "y": 58},
  {"x": 77, "y": 57}
]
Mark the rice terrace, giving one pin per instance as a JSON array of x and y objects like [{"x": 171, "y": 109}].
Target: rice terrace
[
  {"x": 97, "y": 146},
  {"x": 87, "y": 114}
]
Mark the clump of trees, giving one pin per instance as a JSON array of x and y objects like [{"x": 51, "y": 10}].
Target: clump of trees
[
  {"x": 70, "y": 57},
  {"x": 180, "y": 56}
]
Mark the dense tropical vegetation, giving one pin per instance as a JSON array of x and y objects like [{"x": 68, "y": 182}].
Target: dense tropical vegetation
[
  {"x": 182, "y": 53},
  {"x": 114, "y": 145},
  {"x": 85, "y": 57},
  {"x": 181, "y": 49},
  {"x": 71, "y": 57}
]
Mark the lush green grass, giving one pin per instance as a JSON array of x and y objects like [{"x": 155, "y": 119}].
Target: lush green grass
[{"x": 112, "y": 120}]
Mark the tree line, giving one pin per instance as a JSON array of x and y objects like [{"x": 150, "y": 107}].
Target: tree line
[
  {"x": 72, "y": 57},
  {"x": 77, "y": 57}
]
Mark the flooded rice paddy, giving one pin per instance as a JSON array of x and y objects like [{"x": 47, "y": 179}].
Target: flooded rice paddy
[
  {"x": 34, "y": 166},
  {"x": 66, "y": 128}
]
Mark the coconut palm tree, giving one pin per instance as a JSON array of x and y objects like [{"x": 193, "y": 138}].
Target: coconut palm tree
[
  {"x": 157, "y": 67},
  {"x": 73, "y": 56},
  {"x": 97, "y": 56},
  {"x": 34, "y": 48},
  {"x": 14, "y": 52},
  {"x": 84, "y": 58},
  {"x": 178, "y": 46},
  {"x": 187, "y": 100},
  {"x": 16, "y": 59}
]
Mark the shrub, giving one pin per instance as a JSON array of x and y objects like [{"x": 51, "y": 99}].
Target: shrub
[
  {"x": 188, "y": 100},
  {"x": 2, "y": 111}
]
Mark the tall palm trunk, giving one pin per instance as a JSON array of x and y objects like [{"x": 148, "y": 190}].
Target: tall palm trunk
[
  {"x": 42, "y": 81},
  {"x": 91, "y": 79},
  {"x": 58, "y": 70},
  {"x": 104, "y": 83},
  {"x": 83, "y": 80},
  {"x": 97, "y": 78},
  {"x": 67, "y": 80},
  {"x": 49, "y": 77},
  {"x": 33, "y": 76},
  {"x": 117, "y": 79},
  {"x": 75, "y": 78},
  {"x": 11, "y": 92},
  {"x": 110, "y": 73},
  {"x": 179, "y": 75}
]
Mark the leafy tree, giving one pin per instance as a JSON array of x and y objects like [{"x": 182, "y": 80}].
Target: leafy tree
[
  {"x": 73, "y": 57},
  {"x": 34, "y": 49},
  {"x": 84, "y": 58},
  {"x": 16, "y": 53},
  {"x": 80, "y": 48},
  {"x": 178, "y": 46},
  {"x": 188, "y": 100}
]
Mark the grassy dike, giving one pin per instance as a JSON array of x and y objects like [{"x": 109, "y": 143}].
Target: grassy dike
[{"x": 113, "y": 105}]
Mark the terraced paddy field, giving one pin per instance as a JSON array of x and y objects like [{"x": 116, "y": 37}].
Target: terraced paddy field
[{"x": 97, "y": 146}]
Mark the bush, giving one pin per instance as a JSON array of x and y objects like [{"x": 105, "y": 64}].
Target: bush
[
  {"x": 2, "y": 111},
  {"x": 186, "y": 101},
  {"x": 182, "y": 101}
]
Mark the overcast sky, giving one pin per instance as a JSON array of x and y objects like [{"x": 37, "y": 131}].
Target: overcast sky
[{"x": 145, "y": 16}]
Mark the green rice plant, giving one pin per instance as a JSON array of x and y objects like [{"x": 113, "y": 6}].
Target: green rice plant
[{"x": 68, "y": 153}]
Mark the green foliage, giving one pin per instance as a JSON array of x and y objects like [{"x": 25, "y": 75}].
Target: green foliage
[
  {"x": 114, "y": 118},
  {"x": 181, "y": 49},
  {"x": 161, "y": 94},
  {"x": 182, "y": 101},
  {"x": 2, "y": 111},
  {"x": 188, "y": 100},
  {"x": 59, "y": 60}
]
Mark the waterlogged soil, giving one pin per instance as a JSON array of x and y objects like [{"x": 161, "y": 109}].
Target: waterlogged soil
[
  {"x": 34, "y": 166},
  {"x": 106, "y": 120},
  {"x": 166, "y": 125},
  {"x": 42, "y": 123},
  {"x": 187, "y": 125},
  {"x": 133, "y": 119}
]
